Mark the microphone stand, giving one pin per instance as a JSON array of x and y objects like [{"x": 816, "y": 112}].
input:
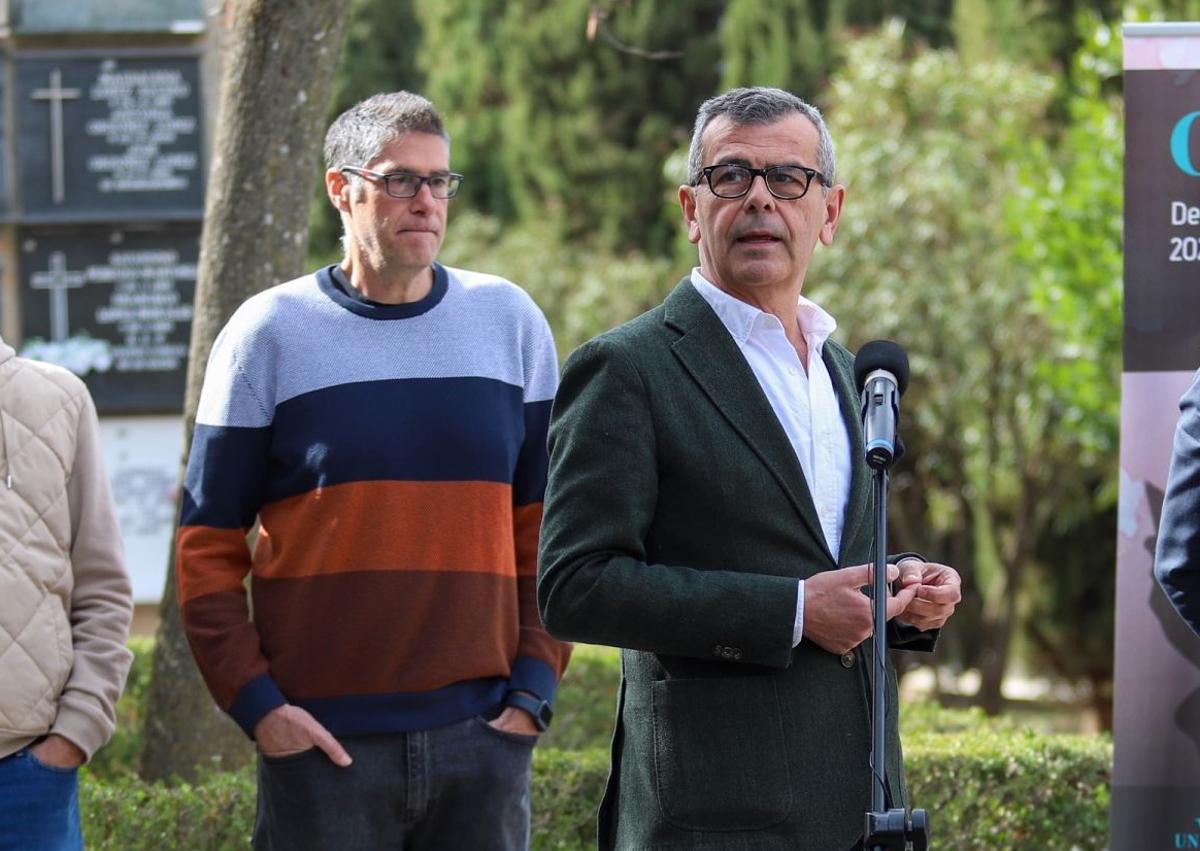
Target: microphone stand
[{"x": 885, "y": 830}]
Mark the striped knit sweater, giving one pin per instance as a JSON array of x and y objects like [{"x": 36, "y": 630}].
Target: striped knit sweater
[{"x": 395, "y": 458}]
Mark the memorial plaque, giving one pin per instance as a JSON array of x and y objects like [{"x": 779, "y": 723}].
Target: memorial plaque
[
  {"x": 114, "y": 307},
  {"x": 106, "y": 16},
  {"x": 142, "y": 456},
  {"x": 109, "y": 138}
]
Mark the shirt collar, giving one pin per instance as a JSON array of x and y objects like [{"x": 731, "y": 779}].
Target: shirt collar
[{"x": 740, "y": 318}]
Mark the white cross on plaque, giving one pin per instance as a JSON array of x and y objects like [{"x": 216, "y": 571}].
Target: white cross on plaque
[
  {"x": 58, "y": 280},
  {"x": 55, "y": 95}
]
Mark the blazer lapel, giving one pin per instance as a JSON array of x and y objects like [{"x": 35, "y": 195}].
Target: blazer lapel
[
  {"x": 711, "y": 356},
  {"x": 860, "y": 479}
]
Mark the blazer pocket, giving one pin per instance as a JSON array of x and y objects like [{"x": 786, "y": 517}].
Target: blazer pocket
[{"x": 720, "y": 760}]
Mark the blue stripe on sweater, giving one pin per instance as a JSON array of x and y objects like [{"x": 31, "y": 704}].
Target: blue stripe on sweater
[
  {"x": 529, "y": 483},
  {"x": 414, "y": 429},
  {"x": 226, "y": 476},
  {"x": 404, "y": 711}
]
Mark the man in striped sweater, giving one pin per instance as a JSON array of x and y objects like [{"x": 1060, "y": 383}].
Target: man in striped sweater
[{"x": 384, "y": 419}]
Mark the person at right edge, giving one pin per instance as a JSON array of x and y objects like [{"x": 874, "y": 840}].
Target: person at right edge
[
  {"x": 1177, "y": 557},
  {"x": 709, "y": 510}
]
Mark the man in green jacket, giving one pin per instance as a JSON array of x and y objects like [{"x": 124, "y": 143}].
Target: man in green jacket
[{"x": 709, "y": 511}]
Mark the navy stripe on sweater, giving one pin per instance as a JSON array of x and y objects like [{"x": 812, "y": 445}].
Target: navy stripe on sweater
[{"x": 414, "y": 429}]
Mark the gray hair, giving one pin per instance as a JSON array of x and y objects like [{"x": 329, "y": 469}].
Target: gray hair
[
  {"x": 360, "y": 134},
  {"x": 757, "y": 105}
]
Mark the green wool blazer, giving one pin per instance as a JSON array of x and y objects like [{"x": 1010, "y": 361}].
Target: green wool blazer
[{"x": 677, "y": 523}]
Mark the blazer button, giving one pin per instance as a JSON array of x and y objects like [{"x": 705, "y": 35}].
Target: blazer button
[
  {"x": 726, "y": 652},
  {"x": 717, "y": 649},
  {"x": 847, "y": 660},
  {"x": 737, "y": 654}
]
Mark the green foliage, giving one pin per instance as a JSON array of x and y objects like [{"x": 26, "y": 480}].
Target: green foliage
[
  {"x": 928, "y": 718},
  {"x": 788, "y": 44},
  {"x": 583, "y": 291},
  {"x": 567, "y": 787},
  {"x": 120, "y": 755},
  {"x": 986, "y": 30},
  {"x": 1066, "y": 210},
  {"x": 587, "y": 700},
  {"x": 126, "y": 814},
  {"x": 1162, "y": 10},
  {"x": 929, "y": 20},
  {"x": 1012, "y": 792},
  {"x": 559, "y": 128}
]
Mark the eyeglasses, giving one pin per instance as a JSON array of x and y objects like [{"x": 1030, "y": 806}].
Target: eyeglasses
[
  {"x": 403, "y": 184},
  {"x": 785, "y": 182}
]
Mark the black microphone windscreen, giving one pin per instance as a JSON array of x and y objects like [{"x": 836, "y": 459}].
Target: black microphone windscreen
[{"x": 881, "y": 354}]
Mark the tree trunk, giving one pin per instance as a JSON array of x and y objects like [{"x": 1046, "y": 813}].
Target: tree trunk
[
  {"x": 994, "y": 664},
  {"x": 275, "y": 90}
]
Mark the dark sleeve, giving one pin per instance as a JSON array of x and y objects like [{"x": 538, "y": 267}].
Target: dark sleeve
[
  {"x": 594, "y": 582},
  {"x": 1177, "y": 560},
  {"x": 903, "y": 636}
]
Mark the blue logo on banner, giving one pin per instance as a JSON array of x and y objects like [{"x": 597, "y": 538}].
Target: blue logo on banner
[
  {"x": 1188, "y": 840},
  {"x": 1180, "y": 137}
]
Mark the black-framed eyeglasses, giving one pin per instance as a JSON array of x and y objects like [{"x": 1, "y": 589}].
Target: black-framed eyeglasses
[
  {"x": 404, "y": 184},
  {"x": 785, "y": 182}
]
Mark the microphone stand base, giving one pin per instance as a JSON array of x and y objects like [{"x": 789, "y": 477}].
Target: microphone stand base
[{"x": 895, "y": 830}]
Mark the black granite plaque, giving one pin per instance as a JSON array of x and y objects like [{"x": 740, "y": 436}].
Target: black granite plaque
[
  {"x": 114, "y": 307},
  {"x": 1162, "y": 221},
  {"x": 92, "y": 16},
  {"x": 109, "y": 138}
]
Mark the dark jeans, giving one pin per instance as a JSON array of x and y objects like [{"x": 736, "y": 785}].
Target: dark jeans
[
  {"x": 39, "y": 805},
  {"x": 464, "y": 787}
]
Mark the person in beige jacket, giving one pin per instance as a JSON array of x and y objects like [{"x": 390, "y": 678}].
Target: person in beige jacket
[{"x": 65, "y": 602}]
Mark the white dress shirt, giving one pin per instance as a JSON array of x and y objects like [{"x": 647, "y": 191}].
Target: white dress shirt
[{"x": 803, "y": 399}]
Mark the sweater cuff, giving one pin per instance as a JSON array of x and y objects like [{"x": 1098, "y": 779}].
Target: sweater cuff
[
  {"x": 87, "y": 730},
  {"x": 534, "y": 676},
  {"x": 255, "y": 700}
]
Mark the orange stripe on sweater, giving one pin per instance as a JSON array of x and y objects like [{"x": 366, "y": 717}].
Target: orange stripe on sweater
[
  {"x": 389, "y": 526},
  {"x": 210, "y": 560}
]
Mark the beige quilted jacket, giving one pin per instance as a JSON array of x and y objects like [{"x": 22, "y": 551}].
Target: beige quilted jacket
[{"x": 65, "y": 600}]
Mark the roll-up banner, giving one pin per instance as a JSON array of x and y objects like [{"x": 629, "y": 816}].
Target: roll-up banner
[{"x": 1156, "y": 717}]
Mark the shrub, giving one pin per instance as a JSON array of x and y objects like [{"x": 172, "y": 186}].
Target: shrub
[
  {"x": 586, "y": 707},
  {"x": 986, "y": 782},
  {"x": 120, "y": 755},
  {"x": 567, "y": 786},
  {"x": 1026, "y": 792},
  {"x": 125, "y": 814},
  {"x": 928, "y": 717},
  {"x": 1008, "y": 791}
]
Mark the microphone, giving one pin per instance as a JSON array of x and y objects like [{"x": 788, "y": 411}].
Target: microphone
[{"x": 881, "y": 372}]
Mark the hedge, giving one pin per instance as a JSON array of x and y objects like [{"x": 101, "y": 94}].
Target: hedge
[
  {"x": 987, "y": 783},
  {"x": 1005, "y": 792}
]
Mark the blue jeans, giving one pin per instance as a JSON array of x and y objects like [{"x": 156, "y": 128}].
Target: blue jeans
[
  {"x": 39, "y": 805},
  {"x": 464, "y": 787}
]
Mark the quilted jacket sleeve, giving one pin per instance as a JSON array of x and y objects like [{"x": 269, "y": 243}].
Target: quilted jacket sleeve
[{"x": 102, "y": 600}]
